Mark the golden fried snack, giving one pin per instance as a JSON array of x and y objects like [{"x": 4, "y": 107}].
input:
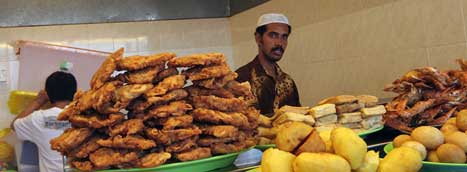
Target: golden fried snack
[
  {"x": 128, "y": 142},
  {"x": 96, "y": 120},
  {"x": 168, "y": 84},
  {"x": 216, "y": 83},
  {"x": 100, "y": 99},
  {"x": 208, "y": 72},
  {"x": 208, "y": 141},
  {"x": 82, "y": 165},
  {"x": 200, "y": 91},
  {"x": 167, "y": 137},
  {"x": 176, "y": 108},
  {"x": 253, "y": 117},
  {"x": 153, "y": 159},
  {"x": 106, "y": 69},
  {"x": 164, "y": 74},
  {"x": 220, "y": 131},
  {"x": 182, "y": 146},
  {"x": 143, "y": 76},
  {"x": 198, "y": 60},
  {"x": 125, "y": 94},
  {"x": 198, "y": 153},
  {"x": 224, "y": 148},
  {"x": 171, "y": 123},
  {"x": 173, "y": 95},
  {"x": 216, "y": 117},
  {"x": 221, "y": 104},
  {"x": 71, "y": 109},
  {"x": 139, "y": 105},
  {"x": 133, "y": 63},
  {"x": 70, "y": 139},
  {"x": 131, "y": 126},
  {"x": 87, "y": 147},
  {"x": 106, "y": 157}
]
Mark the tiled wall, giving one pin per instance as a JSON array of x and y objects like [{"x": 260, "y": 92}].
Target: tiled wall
[{"x": 358, "y": 46}]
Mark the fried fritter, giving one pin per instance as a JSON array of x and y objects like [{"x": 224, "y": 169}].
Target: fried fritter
[
  {"x": 96, "y": 120},
  {"x": 143, "y": 76},
  {"x": 167, "y": 137},
  {"x": 220, "y": 131},
  {"x": 182, "y": 146},
  {"x": 153, "y": 159},
  {"x": 216, "y": 117},
  {"x": 168, "y": 84},
  {"x": 216, "y": 83},
  {"x": 196, "y": 74},
  {"x": 133, "y": 63},
  {"x": 100, "y": 99},
  {"x": 82, "y": 165},
  {"x": 70, "y": 139},
  {"x": 125, "y": 94},
  {"x": 221, "y": 104},
  {"x": 198, "y": 153},
  {"x": 223, "y": 148},
  {"x": 128, "y": 142},
  {"x": 106, "y": 157},
  {"x": 131, "y": 126},
  {"x": 198, "y": 60},
  {"x": 173, "y": 95},
  {"x": 87, "y": 147},
  {"x": 176, "y": 108},
  {"x": 200, "y": 91},
  {"x": 106, "y": 69},
  {"x": 165, "y": 74},
  {"x": 253, "y": 117},
  {"x": 71, "y": 109},
  {"x": 208, "y": 141},
  {"x": 171, "y": 123}
]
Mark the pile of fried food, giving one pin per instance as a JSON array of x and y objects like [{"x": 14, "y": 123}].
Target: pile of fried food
[
  {"x": 448, "y": 145},
  {"x": 301, "y": 148},
  {"x": 427, "y": 96},
  {"x": 148, "y": 115}
]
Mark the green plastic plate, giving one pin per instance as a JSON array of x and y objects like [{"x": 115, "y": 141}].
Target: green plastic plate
[{"x": 434, "y": 166}]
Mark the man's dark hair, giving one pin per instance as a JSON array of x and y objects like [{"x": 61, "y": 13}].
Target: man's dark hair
[
  {"x": 262, "y": 29},
  {"x": 60, "y": 86}
]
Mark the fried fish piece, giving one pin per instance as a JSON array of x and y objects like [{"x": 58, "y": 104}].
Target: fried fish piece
[
  {"x": 167, "y": 137},
  {"x": 137, "y": 62},
  {"x": 216, "y": 83},
  {"x": 153, "y": 159},
  {"x": 224, "y": 148},
  {"x": 125, "y": 94},
  {"x": 182, "y": 146},
  {"x": 143, "y": 76},
  {"x": 70, "y": 139},
  {"x": 253, "y": 117},
  {"x": 220, "y": 131},
  {"x": 96, "y": 120},
  {"x": 208, "y": 141},
  {"x": 82, "y": 165},
  {"x": 171, "y": 123},
  {"x": 200, "y": 91},
  {"x": 198, "y": 60},
  {"x": 174, "y": 95},
  {"x": 87, "y": 147},
  {"x": 106, "y": 69},
  {"x": 131, "y": 126},
  {"x": 164, "y": 74},
  {"x": 71, "y": 109},
  {"x": 106, "y": 157},
  {"x": 100, "y": 99},
  {"x": 198, "y": 153},
  {"x": 216, "y": 117},
  {"x": 239, "y": 89},
  {"x": 127, "y": 142},
  {"x": 196, "y": 74},
  {"x": 221, "y": 104},
  {"x": 168, "y": 84},
  {"x": 176, "y": 108}
]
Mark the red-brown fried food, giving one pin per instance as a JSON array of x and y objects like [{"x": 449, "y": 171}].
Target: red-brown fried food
[
  {"x": 216, "y": 83},
  {"x": 239, "y": 89},
  {"x": 70, "y": 139},
  {"x": 168, "y": 84},
  {"x": 131, "y": 126},
  {"x": 82, "y": 165},
  {"x": 125, "y": 94},
  {"x": 106, "y": 69},
  {"x": 208, "y": 141},
  {"x": 106, "y": 157},
  {"x": 133, "y": 63},
  {"x": 71, "y": 109},
  {"x": 198, "y": 153},
  {"x": 216, "y": 117},
  {"x": 173, "y": 95},
  {"x": 220, "y": 131},
  {"x": 176, "y": 108},
  {"x": 218, "y": 103},
  {"x": 100, "y": 99},
  {"x": 196, "y": 74},
  {"x": 164, "y": 74},
  {"x": 200, "y": 91},
  {"x": 198, "y": 60},
  {"x": 171, "y": 123},
  {"x": 223, "y": 148},
  {"x": 182, "y": 146},
  {"x": 167, "y": 137},
  {"x": 96, "y": 120},
  {"x": 128, "y": 142},
  {"x": 86, "y": 148},
  {"x": 143, "y": 76},
  {"x": 153, "y": 159},
  {"x": 253, "y": 117}
]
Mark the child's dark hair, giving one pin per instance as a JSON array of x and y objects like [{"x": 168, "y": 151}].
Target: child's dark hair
[{"x": 60, "y": 86}]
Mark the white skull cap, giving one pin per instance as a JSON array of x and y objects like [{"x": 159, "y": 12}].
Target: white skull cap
[{"x": 272, "y": 18}]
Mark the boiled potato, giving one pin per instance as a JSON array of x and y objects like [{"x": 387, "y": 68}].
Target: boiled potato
[
  {"x": 450, "y": 153},
  {"x": 458, "y": 138},
  {"x": 397, "y": 142},
  {"x": 461, "y": 120},
  {"x": 277, "y": 160},
  {"x": 451, "y": 121},
  {"x": 432, "y": 156},
  {"x": 417, "y": 146},
  {"x": 371, "y": 162},
  {"x": 402, "y": 159},
  {"x": 326, "y": 136},
  {"x": 447, "y": 129},
  {"x": 349, "y": 145},
  {"x": 320, "y": 162},
  {"x": 429, "y": 136},
  {"x": 291, "y": 136}
]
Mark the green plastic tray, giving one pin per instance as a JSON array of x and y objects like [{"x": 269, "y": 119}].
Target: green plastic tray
[{"x": 434, "y": 166}]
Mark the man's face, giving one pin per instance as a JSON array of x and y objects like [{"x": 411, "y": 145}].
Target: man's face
[{"x": 274, "y": 41}]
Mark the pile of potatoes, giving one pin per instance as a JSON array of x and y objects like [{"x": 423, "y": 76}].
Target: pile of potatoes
[
  {"x": 447, "y": 145},
  {"x": 301, "y": 148}
]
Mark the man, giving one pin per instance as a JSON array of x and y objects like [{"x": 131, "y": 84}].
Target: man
[
  {"x": 40, "y": 126},
  {"x": 272, "y": 87}
]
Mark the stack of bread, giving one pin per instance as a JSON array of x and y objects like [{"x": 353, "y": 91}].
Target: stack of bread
[{"x": 325, "y": 116}]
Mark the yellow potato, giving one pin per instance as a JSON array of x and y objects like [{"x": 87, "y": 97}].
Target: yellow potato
[
  {"x": 6, "y": 151},
  {"x": 277, "y": 160},
  {"x": 461, "y": 120},
  {"x": 326, "y": 136},
  {"x": 458, "y": 138},
  {"x": 371, "y": 162},
  {"x": 320, "y": 162},
  {"x": 291, "y": 136},
  {"x": 432, "y": 156},
  {"x": 447, "y": 129},
  {"x": 451, "y": 121},
  {"x": 417, "y": 146},
  {"x": 429, "y": 136},
  {"x": 349, "y": 145},
  {"x": 450, "y": 153},
  {"x": 400, "y": 139},
  {"x": 402, "y": 159}
]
